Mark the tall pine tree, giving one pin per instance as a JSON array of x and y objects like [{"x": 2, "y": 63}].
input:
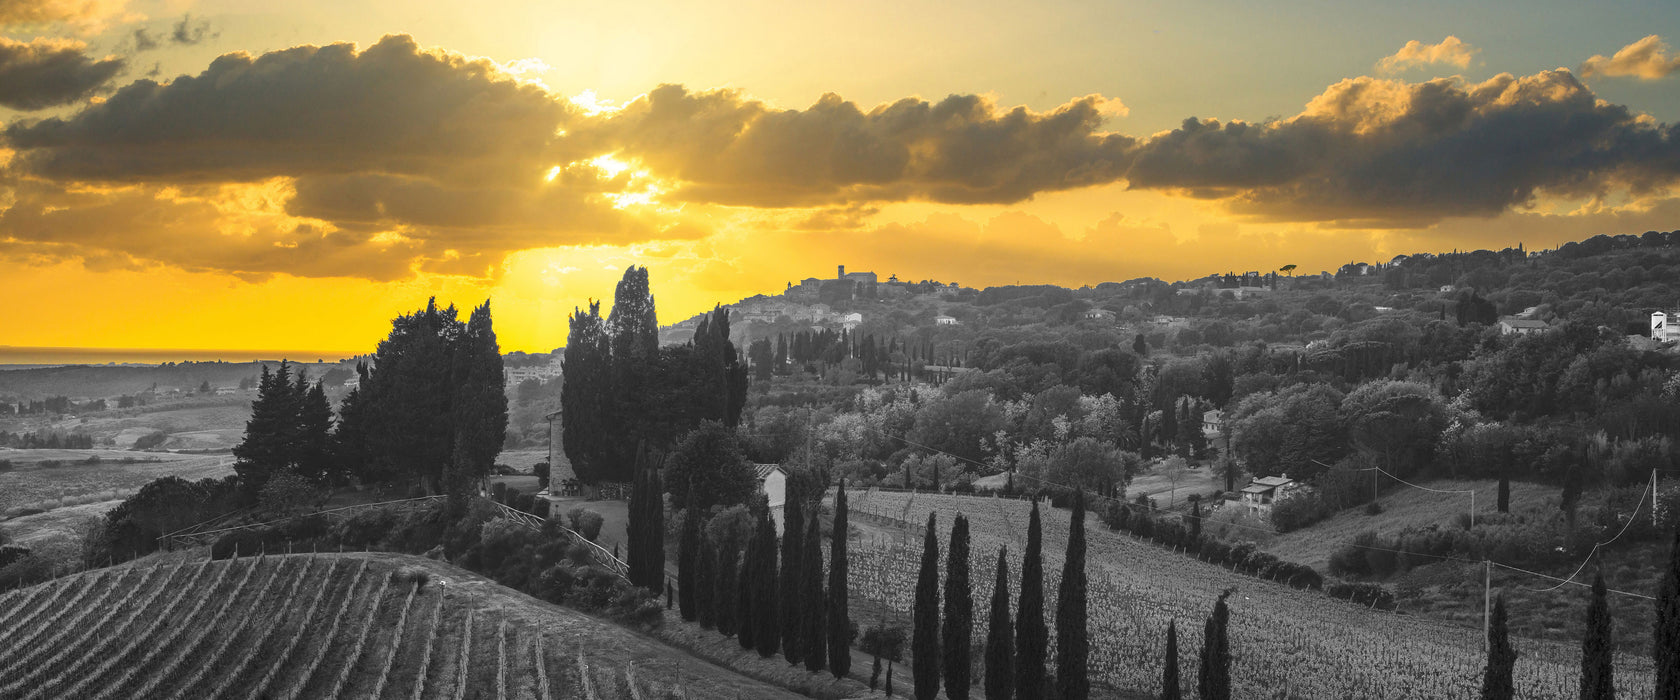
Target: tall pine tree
[
  {"x": 647, "y": 530},
  {"x": 954, "y": 639},
  {"x": 745, "y": 624},
  {"x": 1214, "y": 680},
  {"x": 924, "y": 644},
  {"x": 1072, "y": 644},
  {"x": 688, "y": 554},
  {"x": 1031, "y": 635},
  {"x": 728, "y": 580},
  {"x": 1497, "y": 682},
  {"x": 1000, "y": 648},
  {"x": 478, "y": 407},
  {"x": 1597, "y": 648},
  {"x": 1665, "y": 643},
  {"x": 1169, "y": 665},
  {"x": 815, "y": 631},
  {"x": 793, "y": 564},
  {"x": 587, "y": 398},
  {"x": 839, "y": 590}
]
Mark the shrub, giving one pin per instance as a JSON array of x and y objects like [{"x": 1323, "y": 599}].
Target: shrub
[
  {"x": 151, "y": 440},
  {"x": 414, "y": 575},
  {"x": 586, "y": 522},
  {"x": 1298, "y": 511}
]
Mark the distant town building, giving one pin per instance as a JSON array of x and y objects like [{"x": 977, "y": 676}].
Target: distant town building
[
  {"x": 1522, "y": 326},
  {"x": 1262, "y": 492},
  {"x": 857, "y": 276},
  {"x": 1212, "y": 422},
  {"x": 943, "y": 320},
  {"x": 1100, "y": 315},
  {"x": 851, "y": 320},
  {"x": 1662, "y": 330}
]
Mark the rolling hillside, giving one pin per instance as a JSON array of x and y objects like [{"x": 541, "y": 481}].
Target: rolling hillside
[
  {"x": 1302, "y": 643},
  {"x": 326, "y": 626}
]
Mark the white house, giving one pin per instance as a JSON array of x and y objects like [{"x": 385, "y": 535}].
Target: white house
[
  {"x": 1262, "y": 492},
  {"x": 773, "y": 482},
  {"x": 1521, "y": 326},
  {"x": 943, "y": 320},
  {"x": 851, "y": 320},
  {"x": 1100, "y": 315}
]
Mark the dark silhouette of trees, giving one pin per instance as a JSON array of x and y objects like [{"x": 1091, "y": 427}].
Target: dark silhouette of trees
[
  {"x": 688, "y": 557},
  {"x": 959, "y": 613},
  {"x": 839, "y": 590},
  {"x": 814, "y": 632},
  {"x": 1031, "y": 635},
  {"x": 647, "y": 531},
  {"x": 705, "y": 584},
  {"x": 1214, "y": 680},
  {"x": 767, "y": 632},
  {"x": 711, "y": 460},
  {"x": 1497, "y": 683},
  {"x": 924, "y": 644},
  {"x": 1597, "y": 648},
  {"x": 1665, "y": 643},
  {"x": 1169, "y": 665},
  {"x": 1000, "y": 651},
  {"x": 793, "y": 564},
  {"x": 1072, "y": 642}
]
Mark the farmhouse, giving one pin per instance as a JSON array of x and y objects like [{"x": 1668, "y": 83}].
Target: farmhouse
[
  {"x": 1521, "y": 326},
  {"x": 1261, "y": 493},
  {"x": 1100, "y": 315},
  {"x": 772, "y": 481},
  {"x": 943, "y": 320},
  {"x": 851, "y": 320}
]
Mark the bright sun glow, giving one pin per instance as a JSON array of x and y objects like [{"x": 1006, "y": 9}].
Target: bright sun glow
[
  {"x": 609, "y": 165},
  {"x": 592, "y": 104},
  {"x": 553, "y": 172}
]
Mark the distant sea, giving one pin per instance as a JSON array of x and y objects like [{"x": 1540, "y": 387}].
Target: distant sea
[{"x": 15, "y": 357}]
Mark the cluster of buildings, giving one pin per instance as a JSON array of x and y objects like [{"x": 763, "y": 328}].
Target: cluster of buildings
[{"x": 546, "y": 372}]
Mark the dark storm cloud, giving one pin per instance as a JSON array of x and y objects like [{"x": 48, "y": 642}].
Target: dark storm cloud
[
  {"x": 727, "y": 148},
  {"x": 1384, "y": 153},
  {"x": 50, "y": 72}
]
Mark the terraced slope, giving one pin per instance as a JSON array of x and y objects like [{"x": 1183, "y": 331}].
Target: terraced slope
[
  {"x": 1282, "y": 639},
  {"x": 311, "y": 626}
]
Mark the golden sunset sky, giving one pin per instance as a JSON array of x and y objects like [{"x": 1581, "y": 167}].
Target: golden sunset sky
[{"x": 289, "y": 176}]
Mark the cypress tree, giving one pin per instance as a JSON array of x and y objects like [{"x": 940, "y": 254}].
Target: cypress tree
[
  {"x": 1214, "y": 680},
  {"x": 1169, "y": 667},
  {"x": 1498, "y": 684},
  {"x": 1597, "y": 669},
  {"x": 767, "y": 633},
  {"x": 1196, "y": 521},
  {"x": 586, "y": 396},
  {"x": 705, "y": 584},
  {"x": 688, "y": 554},
  {"x": 1031, "y": 636},
  {"x": 839, "y": 591},
  {"x": 728, "y": 583},
  {"x": 1072, "y": 644},
  {"x": 815, "y": 632},
  {"x": 1000, "y": 652},
  {"x": 924, "y": 645},
  {"x": 959, "y": 613},
  {"x": 793, "y": 563},
  {"x": 1665, "y": 645},
  {"x": 746, "y": 628},
  {"x": 1504, "y": 491},
  {"x": 479, "y": 407}
]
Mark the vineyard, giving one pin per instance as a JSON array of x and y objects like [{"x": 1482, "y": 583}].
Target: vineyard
[
  {"x": 308, "y": 626},
  {"x": 1285, "y": 642}
]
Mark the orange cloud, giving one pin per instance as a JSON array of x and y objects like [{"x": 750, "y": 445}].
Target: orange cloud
[
  {"x": 1415, "y": 54},
  {"x": 1646, "y": 59},
  {"x": 50, "y": 72}
]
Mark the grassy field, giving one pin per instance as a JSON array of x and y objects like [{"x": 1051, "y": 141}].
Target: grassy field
[
  {"x": 47, "y": 479},
  {"x": 1283, "y": 640},
  {"x": 327, "y": 626}
]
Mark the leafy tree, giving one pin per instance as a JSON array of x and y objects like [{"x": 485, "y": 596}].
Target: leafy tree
[
  {"x": 711, "y": 461},
  {"x": 1397, "y": 422},
  {"x": 1598, "y": 648},
  {"x": 479, "y": 406},
  {"x": 1214, "y": 680},
  {"x": 957, "y": 424},
  {"x": 1000, "y": 652},
  {"x": 814, "y": 633},
  {"x": 1497, "y": 683},
  {"x": 1031, "y": 635},
  {"x": 287, "y": 491},
  {"x": 1089, "y": 463},
  {"x": 1665, "y": 644},
  {"x": 1169, "y": 665},
  {"x": 959, "y": 613},
  {"x": 924, "y": 644},
  {"x": 839, "y": 590},
  {"x": 1072, "y": 642}
]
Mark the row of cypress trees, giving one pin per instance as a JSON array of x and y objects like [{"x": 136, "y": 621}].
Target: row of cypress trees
[
  {"x": 1015, "y": 663},
  {"x": 772, "y": 596}
]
